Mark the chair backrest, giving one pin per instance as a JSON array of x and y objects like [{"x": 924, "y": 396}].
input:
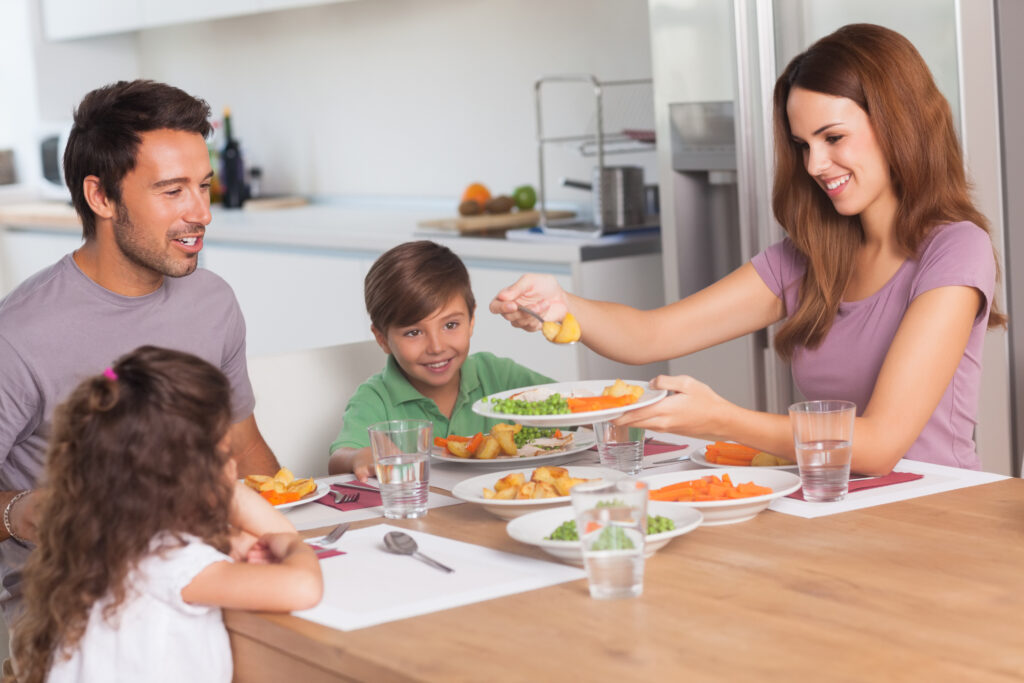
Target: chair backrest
[{"x": 301, "y": 398}]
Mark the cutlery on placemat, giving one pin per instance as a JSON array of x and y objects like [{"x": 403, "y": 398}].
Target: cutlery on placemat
[
  {"x": 351, "y": 485},
  {"x": 404, "y": 544},
  {"x": 336, "y": 533},
  {"x": 340, "y": 497}
]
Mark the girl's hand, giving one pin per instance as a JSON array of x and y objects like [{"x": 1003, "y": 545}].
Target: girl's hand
[
  {"x": 280, "y": 545},
  {"x": 242, "y": 543},
  {"x": 693, "y": 410},
  {"x": 540, "y": 293}
]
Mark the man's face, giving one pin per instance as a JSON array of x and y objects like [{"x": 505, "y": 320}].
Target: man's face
[{"x": 165, "y": 203}]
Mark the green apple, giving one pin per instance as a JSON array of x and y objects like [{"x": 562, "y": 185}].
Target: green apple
[{"x": 525, "y": 197}]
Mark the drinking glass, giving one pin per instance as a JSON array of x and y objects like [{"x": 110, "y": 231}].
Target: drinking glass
[
  {"x": 611, "y": 519},
  {"x": 401, "y": 455},
  {"x": 823, "y": 436},
  {"x": 620, "y": 448}
]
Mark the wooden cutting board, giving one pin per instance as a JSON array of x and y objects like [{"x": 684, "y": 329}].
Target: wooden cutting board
[{"x": 486, "y": 222}]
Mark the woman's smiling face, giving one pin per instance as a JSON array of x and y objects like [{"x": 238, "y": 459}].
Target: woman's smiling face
[{"x": 842, "y": 154}]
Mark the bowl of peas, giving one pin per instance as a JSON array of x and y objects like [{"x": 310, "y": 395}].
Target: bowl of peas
[{"x": 554, "y": 530}]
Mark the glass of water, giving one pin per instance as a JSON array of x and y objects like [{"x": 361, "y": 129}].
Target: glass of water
[
  {"x": 620, "y": 448},
  {"x": 611, "y": 519},
  {"x": 401, "y": 455},
  {"x": 823, "y": 436}
]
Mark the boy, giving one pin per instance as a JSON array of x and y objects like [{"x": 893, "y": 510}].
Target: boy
[{"x": 421, "y": 310}]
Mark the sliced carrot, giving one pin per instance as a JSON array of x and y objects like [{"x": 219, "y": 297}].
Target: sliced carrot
[
  {"x": 277, "y": 498},
  {"x": 440, "y": 442},
  {"x": 707, "y": 489},
  {"x": 589, "y": 403},
  {"x": 456, "y": 437},
  {"x": 735, "y": 451},
  {"x": 558, "y": 433},
  {"x": 475, "y": 442}
]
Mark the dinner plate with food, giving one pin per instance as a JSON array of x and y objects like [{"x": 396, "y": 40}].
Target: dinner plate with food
[
  {"x": 723, "y": 496},
  {"x": 554, "y": 530},
  {"x": 511, "y": 442},
  {"x": 729, "y": 454},
  {"x": 510, "y": 493},
  {"x": 568, "y": 404},
  {"x": 283, "y": 490}
]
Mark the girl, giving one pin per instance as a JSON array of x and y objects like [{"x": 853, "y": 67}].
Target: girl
[
  {"x": 884, "y": 285},
  {"x": 141, "y": 517}
]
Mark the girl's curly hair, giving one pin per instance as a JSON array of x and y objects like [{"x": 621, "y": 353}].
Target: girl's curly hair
[{"x": 134, "y": 452}]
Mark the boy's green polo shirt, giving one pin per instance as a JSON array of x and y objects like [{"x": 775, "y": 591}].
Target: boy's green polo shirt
[{"x": 388, "y": 395}]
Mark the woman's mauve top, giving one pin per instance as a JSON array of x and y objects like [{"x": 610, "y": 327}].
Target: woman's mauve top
[{"x": 846, "y": 364}]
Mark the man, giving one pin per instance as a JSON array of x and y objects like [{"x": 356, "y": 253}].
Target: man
[{"x": 139, "y": 174}]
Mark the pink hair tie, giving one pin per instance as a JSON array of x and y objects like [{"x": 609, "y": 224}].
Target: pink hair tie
[{"x": 110, "y": 374}]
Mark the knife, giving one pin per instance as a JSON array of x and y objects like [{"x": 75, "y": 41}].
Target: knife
[{"x": 361, "y": 487}]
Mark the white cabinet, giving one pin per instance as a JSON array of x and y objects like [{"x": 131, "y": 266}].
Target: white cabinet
[
  {"x": 294, "y": 298},
  {"x": 63, "y": 19},
  {"x": 67, "y": 19},
  {"x": 24, "y": 253}
]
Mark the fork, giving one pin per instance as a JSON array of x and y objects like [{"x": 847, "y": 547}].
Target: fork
[
  {"x": 335, "y": 534},
  {"x": 340, "y": 497}
]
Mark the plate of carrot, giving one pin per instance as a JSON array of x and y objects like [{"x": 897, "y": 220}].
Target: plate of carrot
[
  {"x": 725, "y": 495},
  {"x": 729, "y": 454}
]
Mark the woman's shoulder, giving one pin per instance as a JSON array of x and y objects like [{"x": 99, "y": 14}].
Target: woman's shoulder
[{"x": 780, "y": 265}]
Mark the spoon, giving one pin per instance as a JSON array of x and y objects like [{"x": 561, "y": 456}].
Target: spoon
[{"x": 404, "y": 544}]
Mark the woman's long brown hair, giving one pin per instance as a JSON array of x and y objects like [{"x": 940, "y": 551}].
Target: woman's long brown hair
[
  {"x": 129, "y": 458},
  {"x": 883, "y": 73}
]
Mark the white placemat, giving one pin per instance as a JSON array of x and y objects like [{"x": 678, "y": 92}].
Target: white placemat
[
  {"x": 315, "y": 515},
  {"x": 936, "y": 479},
  {"x": 369, "y": 586}
]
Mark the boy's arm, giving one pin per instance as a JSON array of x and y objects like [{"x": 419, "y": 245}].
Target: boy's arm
[
  {"x": 359, "y": 461},
  {"x": 350, "y": 451}
]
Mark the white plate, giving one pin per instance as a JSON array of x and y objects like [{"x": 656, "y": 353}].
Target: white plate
[
  {"x": 697, "y": 458},
  {"x": 580, "y": 442},
  {"x": 716, "y": 512},
  {"x": 592, "y": 387},
  {"x": 534, "y": 527},
  {"x": 322, "y": 487},
  {"x": 472, "y": 490}
]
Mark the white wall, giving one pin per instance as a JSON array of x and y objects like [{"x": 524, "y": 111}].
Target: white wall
[{"x": 400, "y": 97}]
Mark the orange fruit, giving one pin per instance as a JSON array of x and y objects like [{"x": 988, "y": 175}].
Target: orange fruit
[{"x": 478, "y": 193}]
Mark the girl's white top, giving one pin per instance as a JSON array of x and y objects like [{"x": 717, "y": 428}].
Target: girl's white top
[{"x": 155, "y": 635}]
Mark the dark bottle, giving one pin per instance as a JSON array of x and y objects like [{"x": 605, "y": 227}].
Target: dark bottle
[{"x": 232, "y": 173}]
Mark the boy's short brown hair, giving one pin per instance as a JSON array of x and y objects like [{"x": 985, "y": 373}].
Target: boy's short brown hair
[{"x": 411, "y": 281}]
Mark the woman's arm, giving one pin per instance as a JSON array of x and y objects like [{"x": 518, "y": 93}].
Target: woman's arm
[
  {"x": 737, "y": 304},
  {"x": 293, "y": 581},
  {"x": 918, "y": 366},
  {"x": 356, "y": 460}
]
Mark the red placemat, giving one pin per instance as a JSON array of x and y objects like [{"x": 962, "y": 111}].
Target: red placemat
[
  {"x": 324, "y": 553},
  {"x": 367, "y": 499},
  {"x": 870, "y": 483}
]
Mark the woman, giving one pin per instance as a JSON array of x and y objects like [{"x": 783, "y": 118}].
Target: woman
[{"x": 884, "y": 284}]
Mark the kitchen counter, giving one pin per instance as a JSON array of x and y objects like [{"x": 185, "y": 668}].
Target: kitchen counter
[
  {"x": 298, "y": 272},
  {"x": 356, "y": 225}
]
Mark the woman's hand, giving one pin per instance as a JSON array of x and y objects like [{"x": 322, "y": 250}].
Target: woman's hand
[
  {"x": 540, "y": 293},
  {"x": 693, "y": 410}
]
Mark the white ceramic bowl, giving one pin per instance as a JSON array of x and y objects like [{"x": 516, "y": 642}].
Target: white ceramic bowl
[
  {"x": 781, "y": 482},
  {"x": 534, "y": 527},
  {"x": 472, "y": 490}
]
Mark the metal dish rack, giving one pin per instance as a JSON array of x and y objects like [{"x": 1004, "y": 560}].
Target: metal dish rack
[{"x": 637, "y": 137}]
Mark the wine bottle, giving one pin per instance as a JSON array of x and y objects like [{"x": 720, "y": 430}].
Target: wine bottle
[{"x": 232, "y": 176}]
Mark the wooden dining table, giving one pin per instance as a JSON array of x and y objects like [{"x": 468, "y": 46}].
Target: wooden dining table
[{"x": 926, "y": 589}]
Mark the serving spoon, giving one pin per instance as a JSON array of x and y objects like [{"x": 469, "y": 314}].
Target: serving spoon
[{"x": 404, "y": 544}]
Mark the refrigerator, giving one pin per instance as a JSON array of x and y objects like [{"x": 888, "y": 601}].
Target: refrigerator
[{"x": 714, "y": 66}]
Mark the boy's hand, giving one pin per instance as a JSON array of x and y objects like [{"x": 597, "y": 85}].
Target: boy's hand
[
  {"x": 540, "y": 293},
  {"x": 362, "y": 465}
]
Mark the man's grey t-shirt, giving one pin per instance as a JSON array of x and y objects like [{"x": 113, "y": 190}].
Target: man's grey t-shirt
[{"x": 59, "y": 327}]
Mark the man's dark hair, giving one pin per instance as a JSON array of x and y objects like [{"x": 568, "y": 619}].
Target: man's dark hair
[{"x": 105, "y": 137}]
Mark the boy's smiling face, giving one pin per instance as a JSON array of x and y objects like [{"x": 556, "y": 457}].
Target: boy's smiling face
[{"x": 431, "y": 352}]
